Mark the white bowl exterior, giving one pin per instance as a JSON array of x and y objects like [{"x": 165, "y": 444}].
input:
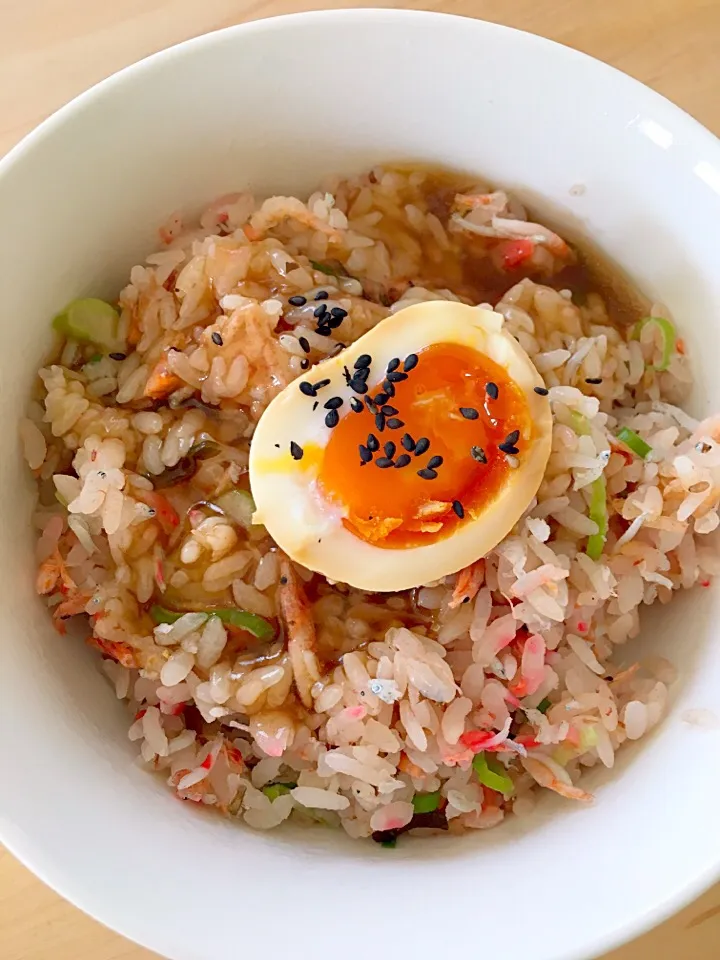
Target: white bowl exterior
[{"x": 273, "y": 106}]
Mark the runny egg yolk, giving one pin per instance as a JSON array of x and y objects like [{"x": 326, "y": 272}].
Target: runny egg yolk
[{"x": 465, "y": 406}]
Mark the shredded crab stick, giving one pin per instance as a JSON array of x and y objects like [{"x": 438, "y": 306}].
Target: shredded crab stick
[{"x": 297, "y": 617}]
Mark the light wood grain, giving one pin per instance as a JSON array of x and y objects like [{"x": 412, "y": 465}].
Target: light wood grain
[{"x": 50, "y": 50}]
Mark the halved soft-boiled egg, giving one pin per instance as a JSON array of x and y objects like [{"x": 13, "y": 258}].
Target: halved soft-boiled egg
[{"x": 407, "y": 456}]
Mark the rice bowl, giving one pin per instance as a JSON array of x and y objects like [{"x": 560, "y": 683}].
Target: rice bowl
[{"x": 88, "y": 735}]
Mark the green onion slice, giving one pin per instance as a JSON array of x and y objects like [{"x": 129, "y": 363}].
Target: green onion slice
[
  {"x": 426, "y": 802},
  {"x": 634, "y": 442},
  {"x": 598, "y": 512},
  {"x": 668, "y": 338},
  {"x": 274, "y": 790},
  {"x": 89, "y": 320},
  {"x": 492, "y": 774},
  {"x": 250, "y": 622}
]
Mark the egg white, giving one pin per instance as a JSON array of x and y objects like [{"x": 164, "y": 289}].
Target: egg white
[{"x": 309, "y": 528}]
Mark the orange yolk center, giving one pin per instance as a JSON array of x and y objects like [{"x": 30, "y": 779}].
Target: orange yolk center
[{"x": 461, "y": 406}]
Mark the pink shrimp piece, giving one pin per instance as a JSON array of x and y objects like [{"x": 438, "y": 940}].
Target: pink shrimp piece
[
  {"x": 53, "y": 573},
  {"x": 295, "y": 613},
  {"x": 276, "y": 209},
  {"x": 546, "y": 778},
  {"x": 467, "y": 584}
]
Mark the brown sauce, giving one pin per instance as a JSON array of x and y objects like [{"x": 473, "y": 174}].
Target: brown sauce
[{"x": 477, "y": 277}]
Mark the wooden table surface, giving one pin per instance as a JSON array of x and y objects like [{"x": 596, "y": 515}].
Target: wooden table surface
[{"x": 51, "y": 50}]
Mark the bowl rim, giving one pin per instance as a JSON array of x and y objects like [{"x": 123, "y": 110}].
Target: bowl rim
[{"x": 21, "y": 844}]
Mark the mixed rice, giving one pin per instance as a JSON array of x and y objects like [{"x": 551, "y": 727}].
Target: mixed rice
[{"x": 254, "y": 685}]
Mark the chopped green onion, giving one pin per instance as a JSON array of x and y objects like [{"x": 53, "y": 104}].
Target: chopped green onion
[
  {"x": 89, "y": 320},
  {"x": 544, "y": 705},
  {"x": 334, "y": 270},
  {"x": 204, "y": 450},
  {"x": 250, "y": 622},
  {"x": 564, "y": 754},
  {"x": 598, "y": 513},
  {"x": 667, "y": 336},
  {"x": 389, "y": 844},
  {"x": 492, "y": 774},
  {"x": 580, "y": 423},
  {"x": 634, "y": 442},
  {"x": 238, "y": 505},
  {"x": 426, "y": 802},
  {"x": 588, "y": 737},
  {"x": 274, "y": 790},
  {"x": 95, "y": 358}
]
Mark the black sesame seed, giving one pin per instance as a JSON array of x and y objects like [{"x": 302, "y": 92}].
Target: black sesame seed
[
  {"x": 307, "y": 388},
  {"x": 427, "y": 474},
  {"x": 333, "y": 403},
  {"x": 296, "y": 451},
  {"x": 332, "y": 418},
  {"x": 364, "y": 360},
  {"x": 379, "y": 422},
  {"x": 411, "y": 362},
  {"x": 322, "y": 330},
  {"x": 321, "y": 295},
  {"x": 388, "y": 410},
  {"x": 371, "y": 405},
  {"x": 403, "y": 460},
  {"x": 362, "y": 374},
  {"x": 297, "y": 301},
  {"x": 393, "y": 365},
  {"x": 384, "y": 463},
  {"x": 277, "y": 446},
  {"x": 365, "y": 454},
  {"x": 372, "y": 442},
  {"x": 396, "y": 377},
  {"x": 283, "y": 580},
  {"x": 389, "y": 389},
  {"x": 458, "y": 509},
  {"x": 408, "y": 442},
  {"x": 320, "y": 311},
  {"x": 434, "y": 462},
  {"x": 470, "y": 413},
  {"x": 356, "y": 405},
  {"x": 316, "y": 405},
  {"x": 303, "y": 341},
  {"x": 542, "y": 391},
  {"x": 389, "y": 449},
  {"x": 339, "y": 313},
  {"x": 513, "y": 437},
  {"x": 334, "y": 322},
  {"x": 320, "y": 384},
  {"x": 119, "y": 356},
  {"x": 491, "y": 389},
  {"x": 593, "y": 380},
  {"x": 359, "y": 386},
  {"x": 421, "y": 446},
  {"x": 304, "y": 364},
  {"x": 508, "y": 448},
  {"x": 478, "y": 454},
  {"x": 380, "y": 398},
  {"x": 216, "y": 338},
  {"x": 395, "y": 424}
]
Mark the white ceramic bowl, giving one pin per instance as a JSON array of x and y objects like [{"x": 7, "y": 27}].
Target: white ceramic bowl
[{"x": 274, "y": 105}]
